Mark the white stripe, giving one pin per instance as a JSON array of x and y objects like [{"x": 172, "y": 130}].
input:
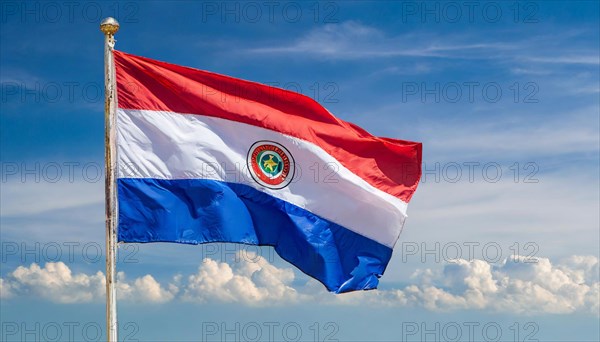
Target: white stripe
[{"x": 165, "y": 145}]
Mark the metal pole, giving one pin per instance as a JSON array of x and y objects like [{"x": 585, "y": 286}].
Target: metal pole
[{"x": 109, "y": 27}]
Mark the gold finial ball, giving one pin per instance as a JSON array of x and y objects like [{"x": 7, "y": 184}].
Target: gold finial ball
[{"x": 109, "y": 26}]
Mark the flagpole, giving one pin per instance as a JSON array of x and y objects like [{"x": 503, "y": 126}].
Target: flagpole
[{"x": 109, "y": 27}]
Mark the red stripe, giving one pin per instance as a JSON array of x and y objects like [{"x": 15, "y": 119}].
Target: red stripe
[{"x": 391, "y": 165}]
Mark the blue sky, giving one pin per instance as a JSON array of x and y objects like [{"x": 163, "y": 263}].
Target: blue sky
[{"x": 503, "y": 95}]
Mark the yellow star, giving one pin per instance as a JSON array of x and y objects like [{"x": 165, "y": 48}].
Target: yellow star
[{"x": 270, "y": 164}]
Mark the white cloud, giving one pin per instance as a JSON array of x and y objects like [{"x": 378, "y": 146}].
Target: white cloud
[
  {"x": 56, "y": 282},
  {"x": 516, "y": 286},
  {"x": 567, "y": 59},
  {"x": 353, "y": 40},
  {"x": 144, "y": 289},
  {"x": 6, "y": 290},
  {"x": 519, "y": 285},
  {"x": 253, "y": 282},
  {"x": 582, "y": 269}
]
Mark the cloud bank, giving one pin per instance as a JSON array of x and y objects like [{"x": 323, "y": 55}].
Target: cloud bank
[
  {"x": 517, "y": 285},
  {"x": 57, "y": 283}
]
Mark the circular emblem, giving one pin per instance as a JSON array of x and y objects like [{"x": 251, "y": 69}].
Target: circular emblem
[{"x": 271, "y": 165}]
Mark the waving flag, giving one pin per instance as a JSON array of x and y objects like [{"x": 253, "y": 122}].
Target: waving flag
[{"x": 205, "y": 158}]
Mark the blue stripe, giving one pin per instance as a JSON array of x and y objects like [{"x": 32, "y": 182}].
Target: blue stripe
[{"x": 196, "y": 211}]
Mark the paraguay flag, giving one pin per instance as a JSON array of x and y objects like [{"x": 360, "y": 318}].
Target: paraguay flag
[{"x": 203, "y": 157}]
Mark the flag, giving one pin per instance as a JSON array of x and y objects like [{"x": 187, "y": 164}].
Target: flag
[{"x": 203, "y": 157}]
